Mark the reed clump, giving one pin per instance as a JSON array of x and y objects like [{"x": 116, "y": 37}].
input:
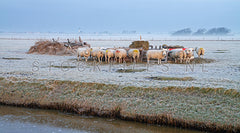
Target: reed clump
[{"x": 205, "y": 109}]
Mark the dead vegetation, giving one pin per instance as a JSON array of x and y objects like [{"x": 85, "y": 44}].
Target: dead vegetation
[
  {"x": 203, "y": 60},
  {"x": 12, "y": 58},
  {"x": 50, "y": 48},
  {"x": 130, "y": 70},
  {"x": 140, "y": 44},
  {"x": 221, "y": 51},
  {"x": 205, "y": 109},
  {"x": 172, "y": 78}
]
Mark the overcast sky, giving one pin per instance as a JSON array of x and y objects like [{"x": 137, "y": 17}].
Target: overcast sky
[{"x": 117, "y": 15}]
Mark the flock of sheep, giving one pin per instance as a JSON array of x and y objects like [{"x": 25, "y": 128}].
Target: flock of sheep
[{"x": 120, "y": 54}]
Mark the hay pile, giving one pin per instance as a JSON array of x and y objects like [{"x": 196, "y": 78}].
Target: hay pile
[
  {"x": 140, "y": 44},
  {"x": 50, "y": 47}
]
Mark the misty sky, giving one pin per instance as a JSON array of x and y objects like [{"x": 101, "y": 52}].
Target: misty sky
[{"x": 117, "y": 15}]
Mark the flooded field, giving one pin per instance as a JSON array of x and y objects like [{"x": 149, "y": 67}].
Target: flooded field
[
  {"x": 24, "y": 120},
  {"x": 14, "y": 62},
  {"x": 224, "y": 72}
]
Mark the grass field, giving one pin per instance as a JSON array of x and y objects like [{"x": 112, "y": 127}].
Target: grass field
[{"x": 205, "y": 109}]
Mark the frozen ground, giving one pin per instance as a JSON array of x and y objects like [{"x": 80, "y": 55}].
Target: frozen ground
[{"x": 225, "y": 72}]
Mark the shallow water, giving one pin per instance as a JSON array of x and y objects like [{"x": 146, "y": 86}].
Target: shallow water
[
  {"x": 22, "y": 120},
  {"x": 225, "y": 72}
]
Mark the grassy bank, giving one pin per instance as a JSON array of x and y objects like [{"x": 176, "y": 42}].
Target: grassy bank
[{"x": 204, "y": 109}]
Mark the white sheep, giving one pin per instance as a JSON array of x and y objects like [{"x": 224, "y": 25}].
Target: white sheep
[
  {"x": 97, "y": 53},
  {"x": 200, "y": 51},
  {"x": 178, "y": 55},
  {"x": 83, "y": 52},
  {"x": 109, "y": 53},
  {"x": 156, "y": 54},
  {"x": 189, "y": 54},
  {"x": 134, "y": 54},
  {"x": 120, "y": 54}
]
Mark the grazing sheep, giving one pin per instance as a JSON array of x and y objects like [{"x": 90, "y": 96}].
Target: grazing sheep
[
  {"x": 200, "y": 51},
  {"x": 83, "y": 52},
  {"x": 97, "y": 52},
  {"x": 121, "y": 54},
  {"x": 110, "y": 53},
  {"x": 189, "y": 54},
  {"x": 134, "y": 54},
  {"x": 102, "y": 55},
  {"x": 156, "y": 54},
  {"x": 177, "y": 55}
]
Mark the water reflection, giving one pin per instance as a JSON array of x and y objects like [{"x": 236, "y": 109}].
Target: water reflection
[{"x": 13, "y": 119}]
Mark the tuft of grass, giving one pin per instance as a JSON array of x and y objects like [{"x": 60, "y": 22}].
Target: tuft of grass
[
  {"x": 63, "y": 66},
  {"x": 203, "y": 60},
  {"x": 130, "y": 70},
  {"x": 12, "y": 58},
  {"x": 220, "y": 51},
  {"x": 172, "y": 78}
]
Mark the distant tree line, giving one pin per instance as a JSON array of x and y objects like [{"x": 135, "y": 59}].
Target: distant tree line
[{"x": 202, "y": 31}]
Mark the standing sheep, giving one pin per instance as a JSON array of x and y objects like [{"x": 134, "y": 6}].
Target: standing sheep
[
  {"x": 200, "y": 51},
  {"x": 156, "y": 54},
  {"x": 121, "y": 54},
  {"x": 178, "y": 55},
  {"x": 83, "y": 52},
  {"x": 134, "y": 54},
  {"x": 97, "y": 53},
  {"x": 110, "y": 53},
  {"x": 189, "y": 54}
]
